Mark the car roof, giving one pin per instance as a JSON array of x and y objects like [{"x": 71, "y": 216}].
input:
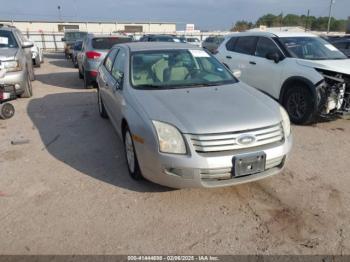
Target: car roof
[
  {"x": 153, "y": 46},
  {"x": 107, "y": 35},
  {"x": 7, "y": 27},
  {"x": 274, "y": 34}
]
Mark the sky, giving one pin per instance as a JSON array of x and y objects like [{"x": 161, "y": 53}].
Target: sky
[{"x": 205, "y": 14}]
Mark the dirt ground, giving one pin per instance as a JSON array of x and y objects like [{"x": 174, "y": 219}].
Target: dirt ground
[{"x": 67, "y": 191}]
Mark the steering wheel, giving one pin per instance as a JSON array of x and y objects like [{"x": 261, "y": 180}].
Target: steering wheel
[{"x": 192, "y": 72}]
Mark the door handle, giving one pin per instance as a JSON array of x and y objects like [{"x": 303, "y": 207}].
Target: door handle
[
  {"x": 252, "y": 63},
  {"x": 229, "y": 57}
]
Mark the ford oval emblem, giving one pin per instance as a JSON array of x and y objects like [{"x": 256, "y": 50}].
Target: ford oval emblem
[{"x": 245, "y": 140}]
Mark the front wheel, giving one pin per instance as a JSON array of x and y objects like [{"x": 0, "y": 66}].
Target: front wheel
[
  {"x": 299, "y": 104},
  {"x": 28, "y": 91},
  {"x": 101, "y": 106},
  {"x": 133, "y": 165}
]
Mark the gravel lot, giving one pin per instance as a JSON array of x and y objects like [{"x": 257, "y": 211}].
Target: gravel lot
[{"x": 67, "y": 191}]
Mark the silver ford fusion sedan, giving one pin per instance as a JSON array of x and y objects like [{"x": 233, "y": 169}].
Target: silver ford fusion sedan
[{"x": 186, "y": 121}]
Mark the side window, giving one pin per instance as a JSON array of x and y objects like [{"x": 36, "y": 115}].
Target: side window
[
  {"x": 110, "y": 59},
  {"x": 118, "y": 66},
  {"x": 230, "y": 45},
  {"x": 265, "y": 46},
  {"x": 246, "y": 45},
  {"x": 209, "y": 40}
]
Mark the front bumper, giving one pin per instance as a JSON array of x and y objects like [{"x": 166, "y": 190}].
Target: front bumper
[
  {"x": 18, "y": 79},
  {"x": 192, "y": 171}
]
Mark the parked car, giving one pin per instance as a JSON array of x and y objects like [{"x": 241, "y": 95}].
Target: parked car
[
  {"x": 76, "y": 49},
  {"x": 94, "y": 49},
  {"x": 343, "y": 45},
  {"x": 186, "y": 121},
  {"x": 212, "y": 43},
  {"x": 16, "y": 59},
  {"x": 37, "y": 55},
  {"x": 305, "y": 73},
  {"x": 193, "y": 41},
  {"x": 161, "y": 38},
  {"x": 69, "y": 39}
]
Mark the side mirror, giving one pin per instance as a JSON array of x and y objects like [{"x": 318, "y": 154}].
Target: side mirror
[
  {"x": 237, "y": 73},
  {"x": 63, "y": 39},
  {"x": 119, "y": 82},
  {"x": 27, "y": 44},
  {"x": 275, "y": 56}
]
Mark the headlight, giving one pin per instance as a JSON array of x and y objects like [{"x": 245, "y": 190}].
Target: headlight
[
  {"x": 12, "y": 66},
  {"x": 170, "y": 139},
  {"x": 285, "y": 122}
]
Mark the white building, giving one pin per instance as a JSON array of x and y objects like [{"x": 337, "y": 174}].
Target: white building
[{"x": 93, "y": 27}]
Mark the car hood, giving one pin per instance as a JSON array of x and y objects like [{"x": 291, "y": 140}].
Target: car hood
[
  {"x": 341, "y": 66},
  {"x": 204, "y": 110},
  {"x": 8, "y": 53}
]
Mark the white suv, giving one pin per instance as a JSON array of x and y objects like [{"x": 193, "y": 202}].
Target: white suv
[{"x": 306, "y": 74}]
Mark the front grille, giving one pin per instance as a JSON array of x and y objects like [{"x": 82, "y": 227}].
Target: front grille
[
  {"x": 228, "y": 141},
  {"x": 226, "y": 173}
]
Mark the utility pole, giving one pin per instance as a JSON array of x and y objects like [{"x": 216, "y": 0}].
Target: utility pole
[
  {"x": 307, "y": 19},
  {"x": 330, "y": 15},
  {"x": 59, "y": 12}
]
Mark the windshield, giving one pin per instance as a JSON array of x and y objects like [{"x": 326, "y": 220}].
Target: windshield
[
  {"x": 312, "y": 48},
  {"x": 73, "y": 36},
  {"x": 176, "y": 69},
  {"x": 104, "y": 43},
  {"x": 7, "y": 40}
]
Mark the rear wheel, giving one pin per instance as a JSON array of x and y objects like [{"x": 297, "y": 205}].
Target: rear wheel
[
  {"x": 28, "y": 91},
  {"x": 6, "y": 111},
  {"x": 299, "y": 104},
  {"x": 133, "y": 165}
]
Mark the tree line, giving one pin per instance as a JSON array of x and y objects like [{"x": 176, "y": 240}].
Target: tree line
[{"x": 309, "y": 22}]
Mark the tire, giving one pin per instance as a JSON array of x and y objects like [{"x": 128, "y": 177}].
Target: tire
[
  {"x": 28, "y": 90},
  {"x": 80, "y": 74},
  {"x": 87, "y": 83},
  {"x": 101, "y": 106},
  {"x": 37, "y": 62},
  {"x": 31, "y": 73},
  {"x": 7, "y": 110},
  {"x": 299, "y": 103},
  {"x": 130, "y": 155}
]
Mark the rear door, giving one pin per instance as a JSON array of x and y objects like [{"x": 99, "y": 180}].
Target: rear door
[
  {"x": 239, "y": 55},
  {"x": 105, "y": 78},
  {"x": 262, "y": 73}
]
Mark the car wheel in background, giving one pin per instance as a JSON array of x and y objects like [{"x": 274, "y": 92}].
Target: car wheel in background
[
  {"x": 28, "y": 91},
  {"x": 87, "y": 82},
  {"x": 130, "y": 154},
  {"x": 80, "y": 74},
  {"x": 101, "y": 106},
  {"x": 299, "y": 104},
  {"x": 7, "y": 110},
  {"x": 37, "y": 62}
]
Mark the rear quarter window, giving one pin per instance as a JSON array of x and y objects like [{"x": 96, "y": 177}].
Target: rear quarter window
[
  {"x": 105, "y": 43},
  {"x": 230, "y": 45}
]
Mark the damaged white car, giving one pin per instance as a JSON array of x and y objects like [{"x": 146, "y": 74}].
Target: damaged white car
[{"x": 306, "y": 74}]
